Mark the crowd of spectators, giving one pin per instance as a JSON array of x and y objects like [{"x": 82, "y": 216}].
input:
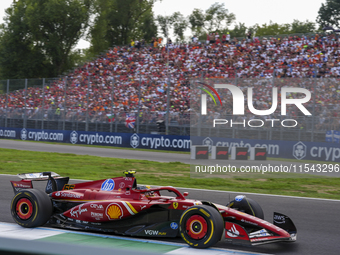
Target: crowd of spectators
[{"x": 114, "y": 81}]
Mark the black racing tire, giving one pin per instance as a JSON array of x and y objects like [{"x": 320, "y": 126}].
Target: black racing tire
[
  {"x": 201, "y": 226},
  {"x": 247, "y": 205},
  {"x": 31, "y": 208}
]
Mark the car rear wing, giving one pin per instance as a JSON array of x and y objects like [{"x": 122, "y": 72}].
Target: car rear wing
[
  {"x": 54, "y": 181},
  {"x": 38, "y": 176}
]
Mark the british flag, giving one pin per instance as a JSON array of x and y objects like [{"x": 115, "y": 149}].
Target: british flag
[{"x": 130, "y": 121}]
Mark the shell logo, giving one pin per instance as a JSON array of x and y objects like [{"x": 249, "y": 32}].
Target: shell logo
[{"x": 114, "y": 212}]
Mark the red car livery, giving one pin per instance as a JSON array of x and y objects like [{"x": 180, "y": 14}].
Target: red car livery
[{"x": 118, "y": 205}]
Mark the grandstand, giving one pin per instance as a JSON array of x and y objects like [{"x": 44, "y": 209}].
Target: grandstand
[{"x": 129, "y": 81}]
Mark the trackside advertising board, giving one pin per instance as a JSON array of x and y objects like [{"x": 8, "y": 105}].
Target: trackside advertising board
[
  {"x": 277, "y": 149},
  {"x": 143, "y": 141}
]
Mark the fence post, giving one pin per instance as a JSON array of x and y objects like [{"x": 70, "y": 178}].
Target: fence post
[
  {"x": 65, "y": 88},
  {"x": 167, "y": 105},
  {"x": 138, "y": 108},
  {"x": 112, "y": 103},
  {"x": 7, "y": 103},
  {"x": 43, "y": 104},
  {"x": 25, "y": 117},
  {"x": 313, "y": 115},
  {"x": 87, "y": 106}
]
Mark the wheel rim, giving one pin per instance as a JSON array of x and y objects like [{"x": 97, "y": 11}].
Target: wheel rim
[
  {"x": 196, "y": 227},
  {"x": 24, "y": 208}
]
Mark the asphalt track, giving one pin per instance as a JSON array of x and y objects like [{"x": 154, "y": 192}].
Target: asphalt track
[
  {"x": 144, "y": 155},
  {"x": 317, "y": 220}
]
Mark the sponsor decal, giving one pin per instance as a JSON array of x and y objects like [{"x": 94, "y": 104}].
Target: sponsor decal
[
  {"x": 97, "y": 206},
  {"x": 202, "y": 152},
  {"x": 49, "y": 186},
  {"x": 76, "y": 212},
  {"x": 242, "y": 153},
  {"x": 122, "y": 185},
  {"x": 208, "y": 142},
  {"x": 260, "y": 154},
  {"x": 114, "y": 211},
  {"x": 74, "y": 137},
  {"x": 249, "y": 222},
  {"x": 96, "y": 215},
  {"x": 222, "y": 153},
  {"x": 19, "y": 185},
  {"x": 279, "y": 219},
  {"x": 23, "y": 134},
  {"x": 174, "y": 225},
  {"x": 68, "y": 195},
  {"x": 142, "y": 207},
  {"x": 36, "y": 175},
  {"x": 108, "y": 185},
  {"x": 134, "y": 141},
  {"x": 151, "y": 232},
  {"x": 233, "y": 232},
  {"x": 175, "y": 205},
  {"x": 299, "y": 150},
  {"x": 239, "y": 198}
]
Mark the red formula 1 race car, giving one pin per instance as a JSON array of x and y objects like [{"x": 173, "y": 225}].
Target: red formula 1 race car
[{"x": 119, "y": 206}]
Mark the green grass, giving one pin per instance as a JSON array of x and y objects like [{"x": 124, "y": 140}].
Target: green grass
[{"x": 155, "y": 173}]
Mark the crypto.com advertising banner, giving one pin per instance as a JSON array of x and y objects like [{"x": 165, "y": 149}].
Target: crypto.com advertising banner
[
  {"x": 281, "y": 113},
  {"x": 142, "y": 141}
]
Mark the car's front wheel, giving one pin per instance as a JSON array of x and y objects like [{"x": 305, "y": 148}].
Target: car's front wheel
[{"x": 201, "y": 226}]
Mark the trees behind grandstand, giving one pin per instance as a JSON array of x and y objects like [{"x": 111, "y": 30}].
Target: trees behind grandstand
[
  {"x": 116, "y": 22},
  {"x": 329, "y": 14},
  {"x": 37, "y": 37}
]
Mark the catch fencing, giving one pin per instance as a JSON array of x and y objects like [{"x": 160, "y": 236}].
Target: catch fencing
[{"x": 143, "y": 104}]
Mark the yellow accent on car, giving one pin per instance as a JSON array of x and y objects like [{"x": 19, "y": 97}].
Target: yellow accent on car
[
  {"x": 204, "y": 212},
  {"x": 131, "y": 207},
  {"x": 212, "y": 231}
]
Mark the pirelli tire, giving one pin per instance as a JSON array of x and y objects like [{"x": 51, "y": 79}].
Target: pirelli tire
[
  {"x": 201, "y": 226},
  {"x": 31, "y": 208},
  {"x": 247, "y": 205}
]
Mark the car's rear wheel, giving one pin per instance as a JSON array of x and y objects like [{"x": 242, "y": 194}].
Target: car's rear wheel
[
  {"x": 31, "y": 208},
  {"x": 247, "y": 205},
  {"x": 201, "y": 226}
]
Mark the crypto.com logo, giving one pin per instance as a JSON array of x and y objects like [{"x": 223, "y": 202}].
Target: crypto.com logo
[
  {"x": 238, "y": 100},
  {"x": 299, "y": 150}
]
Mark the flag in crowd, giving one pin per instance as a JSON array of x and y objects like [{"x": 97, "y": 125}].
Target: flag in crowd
[
  {"x": 130, "y": 121},
  {"x": 110, "y": 117}
]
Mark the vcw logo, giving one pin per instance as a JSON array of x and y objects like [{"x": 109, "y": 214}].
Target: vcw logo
[
  {"x": 108, "y": 185},
  {"x": 299, "y": 150},
  {"x": 134, "y": 141},
  {"x": 74, "y": 137},
  {"x": 151, "y": 232}
]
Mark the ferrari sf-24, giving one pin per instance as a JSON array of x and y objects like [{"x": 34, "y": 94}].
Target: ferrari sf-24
[{"x": 119, "y": 206}]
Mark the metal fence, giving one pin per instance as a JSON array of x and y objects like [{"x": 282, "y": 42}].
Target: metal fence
[{"x": 103, "y": 103}]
